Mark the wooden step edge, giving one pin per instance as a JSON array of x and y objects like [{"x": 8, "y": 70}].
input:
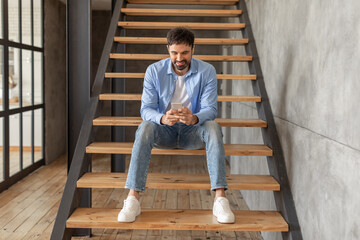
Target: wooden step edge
[
  {"x": 198, "y": 41},
  {"x": 135, "y": 56},
  {"x": 187, "y": 2},
  {"x": 177, "y": 220},
  {"x": 230, "y": 149},
  {"x": 179, "y": 181},
  {"x": 181, "y": 12},
  {"x": 137, "y": 97},
  {"x": 190, "y": 25},
  {"x": 136, "y": 121},
  {"x": 219, "y": 76}
]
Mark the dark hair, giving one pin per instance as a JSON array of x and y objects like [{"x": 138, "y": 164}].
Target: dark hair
[{"x": 180, "y": 35}]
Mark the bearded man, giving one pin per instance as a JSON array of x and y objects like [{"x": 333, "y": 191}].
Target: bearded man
[{"x": 192, "y": 84}]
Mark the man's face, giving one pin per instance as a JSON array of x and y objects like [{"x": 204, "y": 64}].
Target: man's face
[{"x": 180, "y": 55}]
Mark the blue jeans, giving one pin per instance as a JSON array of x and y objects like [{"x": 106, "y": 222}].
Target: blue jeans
[{"x": 150, "y": 134}]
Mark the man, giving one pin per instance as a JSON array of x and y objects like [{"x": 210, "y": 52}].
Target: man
[{"x": 191, "y": 82}]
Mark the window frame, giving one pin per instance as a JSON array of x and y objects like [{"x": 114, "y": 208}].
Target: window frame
[{"x": 6, "y": 112}]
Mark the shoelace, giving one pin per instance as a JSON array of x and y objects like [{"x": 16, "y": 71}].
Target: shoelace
[{"x": 125, "y": 204}]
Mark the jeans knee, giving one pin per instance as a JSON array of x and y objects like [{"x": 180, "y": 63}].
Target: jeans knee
[
  {"x": 213, "y": 129},
  {"x": 146, "y": 130}
]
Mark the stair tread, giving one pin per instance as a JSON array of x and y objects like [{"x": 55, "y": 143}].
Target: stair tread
[
  {"x": 179, "y": 181},
  {"x": 177, "y": 220},
  {"x": 187, "y": 2},
  {"x": 190, "y": 25},
  {"x": 137, "y": 97},
  {"x": 142, "y": 75},
  {"x": 181, "y": 12},
  {"x": 199, "y": 41},
  {"x": 230, "y": 149},
  {"x": 135, "y": 121},
  {"x": 136, "y": 56}
]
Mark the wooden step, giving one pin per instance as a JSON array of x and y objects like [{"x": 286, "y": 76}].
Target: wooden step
[
  {"x": 142, "y": 75},
  {"x": 177, "y": 220},
  {"x": 181, "y": 12},
  {"x": 179, "y": 181},
  {"x": 230, "y": 149},
  {"x": 185, "y": 2},
  {"x": 135, "y": 121},
  {"x": 137, "y": 97},
  {"x": 135, "y": 56},
  {"x": 198, "y": 41},
  {"x": 190, "y": 25}
]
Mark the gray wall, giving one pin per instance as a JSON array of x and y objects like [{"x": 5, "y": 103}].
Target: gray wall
[
  {"x": 55, "y": 73},
  {"x": 309, "y": 51},
  {"x": 55, "y": 79}
]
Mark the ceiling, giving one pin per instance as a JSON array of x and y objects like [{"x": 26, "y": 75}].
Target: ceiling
[{"x": 98, "y": 4}]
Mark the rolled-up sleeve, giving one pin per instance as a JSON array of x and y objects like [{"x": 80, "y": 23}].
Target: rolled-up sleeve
[
  {"x": 208, "y": 97},
  {"x": 150, "y": 98}
]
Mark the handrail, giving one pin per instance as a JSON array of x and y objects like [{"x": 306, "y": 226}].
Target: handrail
[
  {"x": 276, "y": 163},
  {"x": 80, "y": 163}
]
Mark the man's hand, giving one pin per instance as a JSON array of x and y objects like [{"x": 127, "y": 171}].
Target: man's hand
[
  {"x": 186, "y": 116},
  {"x": 170, "y": 118}
]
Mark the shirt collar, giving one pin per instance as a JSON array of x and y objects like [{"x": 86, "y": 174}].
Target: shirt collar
[{"x": 193, "y": 68}]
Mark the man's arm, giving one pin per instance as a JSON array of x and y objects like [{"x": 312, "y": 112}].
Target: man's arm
[
  {"x": 208, "y": 98},
  {"x": 150, "y": 98}
]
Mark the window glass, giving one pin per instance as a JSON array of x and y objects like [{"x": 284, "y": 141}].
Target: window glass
[
  {"x": 38, "y": 78},
  {"x": 14, "y": 77},
  {"x": 1, "y": 79},
  {"x": 1, "y": 21},
  {"x": 26, "y": 78},
  {"x": 13, "y": 8},
  {"x": 27, "y": 139},
  {"x": 38, "y": 132},
  {"x": 38, "y": 32},
  {"x": 14, "y": 133},
  {"x": 2, "y": 172},
  {"x": 26, "y": 21}
]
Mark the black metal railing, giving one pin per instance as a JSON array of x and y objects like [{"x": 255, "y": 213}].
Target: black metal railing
[
  {"x": 276, "y": 163},
  {"x": 81, "y": 162}
]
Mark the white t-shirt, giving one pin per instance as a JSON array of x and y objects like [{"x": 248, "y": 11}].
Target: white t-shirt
[{"x": 180, "y": 95}]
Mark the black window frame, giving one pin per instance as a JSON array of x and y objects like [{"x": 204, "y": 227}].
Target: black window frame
[{"x": 6, "y": 112}]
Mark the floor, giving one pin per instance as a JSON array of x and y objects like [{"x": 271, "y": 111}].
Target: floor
[
  {"x": 28, "y": 209},
  {"x": 14, "y": 162}
]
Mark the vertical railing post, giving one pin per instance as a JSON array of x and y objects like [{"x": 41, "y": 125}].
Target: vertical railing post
[
  {"x": 118, "y": 109},
  {"x": 78, "y": 80}
]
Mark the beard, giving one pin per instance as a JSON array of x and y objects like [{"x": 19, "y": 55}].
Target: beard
[{"x": 184, "y": 65}]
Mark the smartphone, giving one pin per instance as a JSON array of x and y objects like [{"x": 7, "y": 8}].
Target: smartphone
[{"x": 176, "y": 106}]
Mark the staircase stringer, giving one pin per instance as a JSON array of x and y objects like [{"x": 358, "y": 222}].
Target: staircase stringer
[
  {"x": 276, "y": 163},
  {"x": 81, "y": 162}
]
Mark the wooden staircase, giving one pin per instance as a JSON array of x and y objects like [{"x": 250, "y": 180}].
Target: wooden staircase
[{"x": 183, "y": 219}]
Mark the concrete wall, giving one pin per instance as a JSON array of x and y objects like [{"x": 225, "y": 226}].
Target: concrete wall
[
  {"x": 55, "y": 73},
  {"x": 55, "y": 79},
  {"x": 309, "y": 52}
]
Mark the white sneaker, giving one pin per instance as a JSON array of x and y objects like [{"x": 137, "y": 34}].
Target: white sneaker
[
  {"x": 222, "y": 211},
  {"x": 130, "y": 210}
]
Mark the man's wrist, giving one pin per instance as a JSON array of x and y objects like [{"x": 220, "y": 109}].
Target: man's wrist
[{"x": 195, "y": 120}]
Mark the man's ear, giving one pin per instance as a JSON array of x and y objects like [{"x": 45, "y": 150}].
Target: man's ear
[
  {"x": 193, "y": 49},
  {"x": 167, "y": 46}
]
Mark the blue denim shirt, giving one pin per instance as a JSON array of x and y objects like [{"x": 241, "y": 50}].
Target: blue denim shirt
[{"x": 159, "y": 86}]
